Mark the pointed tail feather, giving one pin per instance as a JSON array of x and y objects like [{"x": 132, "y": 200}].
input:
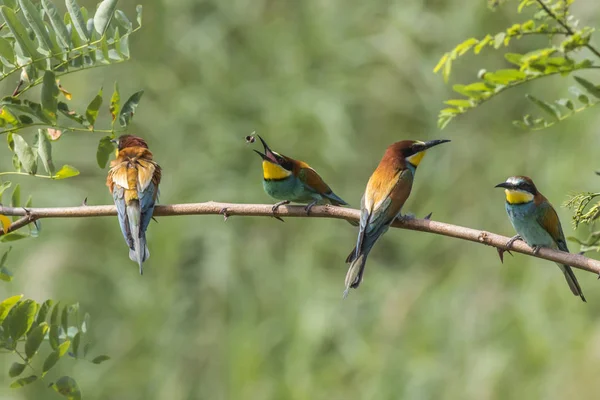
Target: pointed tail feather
[
  {"x": 572, "y": 281},
  {"x": 134, "y": 216},
  {"x": 355, "y": 272}
]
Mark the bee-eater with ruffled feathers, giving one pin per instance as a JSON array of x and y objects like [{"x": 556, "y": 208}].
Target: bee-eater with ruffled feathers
[
  {"x": 133, "y": 181},
  {"x": 536, "y": 222},
  {"x": 289, "y": 180},
  {"x": 387, "y": 191}
]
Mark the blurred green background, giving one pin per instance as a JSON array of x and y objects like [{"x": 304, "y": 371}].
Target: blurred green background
[{"x": 252, "y": 308}]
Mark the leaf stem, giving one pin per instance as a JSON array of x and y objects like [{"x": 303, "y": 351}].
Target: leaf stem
[{"x": 565, "y": 25}]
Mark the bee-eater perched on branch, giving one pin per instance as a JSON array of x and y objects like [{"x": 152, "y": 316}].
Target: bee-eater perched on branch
[
  {"x": 387, "y": 190},
  {"x": 536, "y": 222},
  {"x": 133, "y": 181},
  {"x": 288, "y": 180}
]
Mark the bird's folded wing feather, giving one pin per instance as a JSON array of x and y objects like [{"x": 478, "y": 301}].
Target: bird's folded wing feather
[
  {"x": 312, "y": 179},
  {"x": 149, "y": 175},
  {"x": 548, "y": 219}
]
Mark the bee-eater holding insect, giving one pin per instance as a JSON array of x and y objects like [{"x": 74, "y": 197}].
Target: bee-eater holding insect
[
  {"x": 289, "y": 180},
  {"x": 536, "y": 222},
  {"x": 387, "y": 190},
  {"x": 133, "y": 181}
]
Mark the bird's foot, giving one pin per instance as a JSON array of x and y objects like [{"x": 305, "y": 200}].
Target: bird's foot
[
  {"x": 224, "y": 213},
  {"x": 310, "y": 206},
  {"x": 276, "y": 207},
  {"x": 406, "y": 217},
  {"x": 536, "y": 250},
  {"x": 512, "y": 240},
  {"x": 508, "y": 246}
]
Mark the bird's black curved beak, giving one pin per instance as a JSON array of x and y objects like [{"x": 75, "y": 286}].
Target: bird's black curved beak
[
  {"x": 268, "y": 156},
  {"x": 115, "y": 141},
  {"x": 432, "y": 143},
  {"x": 504, "y": 185}
]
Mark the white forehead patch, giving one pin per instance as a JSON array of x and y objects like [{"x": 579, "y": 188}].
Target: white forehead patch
[{"x": 513, "y": 180}]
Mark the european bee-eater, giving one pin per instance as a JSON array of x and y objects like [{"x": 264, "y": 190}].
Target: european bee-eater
[
  {"x": 536, "y": 222},
  {"x": 387, "y": 190},
  {"x": 288, "y": 180},
  {"x": 133, "y": 181}
]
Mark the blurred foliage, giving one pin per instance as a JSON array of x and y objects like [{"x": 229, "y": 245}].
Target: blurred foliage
[
  {"x": 42, "y": 46},
  {"x": 25, "y": 325},
  {"x": 550, "y": 18},
  {"x": 252, "y": 308}
]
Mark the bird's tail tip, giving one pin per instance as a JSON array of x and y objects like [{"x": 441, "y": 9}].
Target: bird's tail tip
[
  {"x": 354, "y": 276},
  {"x": 139, "y": 257}
]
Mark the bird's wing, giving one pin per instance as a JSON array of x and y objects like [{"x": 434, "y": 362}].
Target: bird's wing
[
  {"x": 548, "y": 219},
  {"x": 149, "y": 175},
  {"x": 117, "y": 177},
  {"x": 381, "y": 204},
  {"x": 312, "y": 179}
]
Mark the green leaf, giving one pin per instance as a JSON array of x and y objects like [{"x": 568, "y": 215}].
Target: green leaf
[
  {"x": 580, "y": 96},
  {"x": 67, "y": 387},
  {"x": 57, "y": 23},
  {"x": 77, "y": 19},
  {"x": 7, "y": 53},
  {"x": 20, "y": 34},
  {"x": 129, "y": 108},
  {"x": 115, "y": 104},
  {"x": 43, "y": 312},
  {"x": 9, "y": 117},
  {"x": 566, "y": 103},
  {"x": 22, "y": 318},
  {"x": 53, "y": 336},
  {"x": 66, "y": 171},
  {"x": 105, "y": 148},
  {"x": 100, "y": 359},
  {"x": 35, "y": 339},
  {"x": 64, "y": 109},
  {"x": 103, "y": 16},
  {"x": 459, "y": 103},
  {"x": 5, "y": 257},
  {"x": 32, "y": 16},
  {"x": 588, "y": 86},
  {"x": 91, "y": 113},
  {"x": 64, "y": 319},
  {"x": 15, "y": 200},
  {"x": 16, "y": 369},
  {"x": 499, "y": 40},
  {"x": 50, "y": 95},
  {"x": 63, "y": 348},
  {"x": 7, "y": 305},
  {"x": 50, "y": 362},
  {"x": 45, "y": 151},
  {"x": 76, "y": 342},
  {"x": 12, "y": 237},
  {"x": 5, "y": 274},
  {"x": 23, "y": 382},
  {"x": 548, "y": 108},
  {"x": 25, "y": 154}
]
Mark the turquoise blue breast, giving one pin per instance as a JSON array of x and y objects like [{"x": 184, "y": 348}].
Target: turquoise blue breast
[
  {"x": 290, "y": 189},
  {"x": 524, "y": 219}
]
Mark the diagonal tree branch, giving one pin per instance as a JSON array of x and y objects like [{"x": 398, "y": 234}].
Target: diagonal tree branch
[{"x": 265, "y": 210}]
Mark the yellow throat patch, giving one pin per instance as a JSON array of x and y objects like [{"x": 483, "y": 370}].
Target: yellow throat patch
[
  {"x": 274, "y": 172},
  {"x": 415, "y": 159},
  {"x": 517, "y": 196}
]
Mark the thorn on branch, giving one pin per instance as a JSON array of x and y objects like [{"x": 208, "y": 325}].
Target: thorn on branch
[
  {"x": 84, "y": 202},
  {"x": 224, "y": 213}
]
